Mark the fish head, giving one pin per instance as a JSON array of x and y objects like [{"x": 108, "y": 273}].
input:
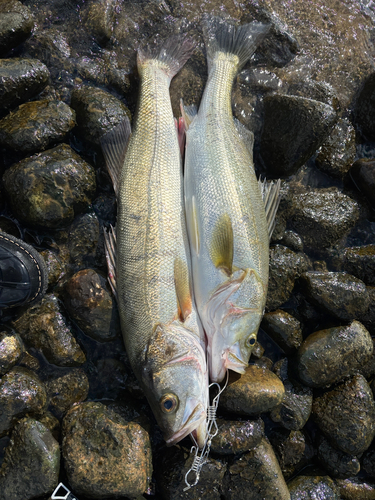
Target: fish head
[{"x": 175, "y": 378}]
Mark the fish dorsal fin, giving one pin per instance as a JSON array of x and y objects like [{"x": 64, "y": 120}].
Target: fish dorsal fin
[
  {"x": 188, "y": 113},
  {"x": 110, "y": 255},
  {"x": 221, "y": 250},
  {"x": 183, "y": 292},
  {"x": 114, "y": 145},
  {"x": 246, "y": 135},
  {"x": 271, "y": 198},
  {"x": 192, "y": 221}
]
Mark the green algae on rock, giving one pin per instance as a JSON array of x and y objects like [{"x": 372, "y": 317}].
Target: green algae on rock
[
  {"x": 11, "y": 350},
  {"x": 317, "y": 485},
  {"x": 64, "y": 391},
  {"x": 356, "y": 489},
  {"x": 336, "y": 463}
]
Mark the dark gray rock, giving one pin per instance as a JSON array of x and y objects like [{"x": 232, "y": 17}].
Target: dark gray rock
[
  {"x": 16, "y": 23},
  {"x": 363, "y": 175},
  {"x": 364, "y": 109},
  {"x": 327, "y": 356},
  {"x": 11, "y": 351},
  {"x": 51, "y": 188},
  {"x": 295, "y": 408},
  {"x": 294, "y": 128},
  {"x": 356, "y": 489},
  {"x": 36, "y": 125},
  {"x": 44, "y": 328},
  {"x": 337, "y": 293},
  {"x": 360, "y": 261},
  {"x": 292, "y": 240},
  {"x": 317, "y": 90},
  {"x": 99, "y": 18},
  {"x": 57, "y": 262},
  {"x": 368, "y": 461},
  {"x": 237, "y": 437},
  {"x": 64, "y": 391},
  {"x": 21, "y": 392},
  {"x": 368, "y": 319},
  {"x": 306, "y": 487},
  {"x": 83, "y": 240},
  {"x": 20, "y": 80},
  {"x": 31, "y": 464},
  {"x": 105, "y": 456},
  {"x": 346, "y": 415},
  {"x": 335, "y": 462},
  {"x": 284, "y": 329}
]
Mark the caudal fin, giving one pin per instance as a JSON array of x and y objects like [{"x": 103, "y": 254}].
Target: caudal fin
[{"x": 221, "y": 36}]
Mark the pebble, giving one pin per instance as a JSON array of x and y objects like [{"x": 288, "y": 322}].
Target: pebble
[
  {"x": 306, "y": 487},
  {"x": 295, "y": 408},
  {"x": 294, "y": 128},
  {"x": 64, "y": 391},
  {"x": 105, "y": 456},
  {"x": 337, "y": 293},
  {"x": 257, "y": 391},
  {"x": 363, "y": 175},
  {"x": 327, "y": 356},
  {"x": 284, "y": 329},
  {"x": 346, "y": 415},
  {"x": 11, "y": 351},
  {"x": 89, "y": 303},
  {"x": 293, "y": 450},
  {"x": 16, "y": 24},
  {"x": 237, "y": 437},
  {"x": 49, "y": 189},
  {"x": 44, "y": 327},
  {"x": 21, "y": 392},
  {"x": 36, "y": 125},
  {"x": 360, "y": 261},
  {"x": 335, "y": 462},
  {"x": 31, "y": 463},
  {"x": 356, "y": 489}
]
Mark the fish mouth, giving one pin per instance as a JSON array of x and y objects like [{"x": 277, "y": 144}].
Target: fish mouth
[
  {"x": 193, "y": 422},
  {"x": 233, "y": 359}
]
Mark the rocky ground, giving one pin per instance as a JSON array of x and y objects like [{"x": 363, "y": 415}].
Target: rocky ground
[{"x": 300, "y": 423}]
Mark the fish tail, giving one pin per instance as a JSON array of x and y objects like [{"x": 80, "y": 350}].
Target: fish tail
[
  {"x": 222, "y": 36},
  {"x": 172, "y": 54}
]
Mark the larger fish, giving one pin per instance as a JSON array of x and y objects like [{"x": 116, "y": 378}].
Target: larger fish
[
  {"x": 226, "y": 215},
  {"x": 163, "y": 337}
]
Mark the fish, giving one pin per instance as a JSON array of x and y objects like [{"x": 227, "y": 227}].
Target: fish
[
  {"x": 149, "y": 256},
  {"x": 230, "y": 214}
]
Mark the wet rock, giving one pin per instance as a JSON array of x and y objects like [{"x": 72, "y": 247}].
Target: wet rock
[
  {"x": 340, "y": 294},
  {"x": 295, "y": 408},
  {"x": 337, "y": 463},
  {"x": 315, "y": 486},
  {"x": 337, "y": 153},
  {"x": 356, "y": 489},
  {"x": 104, "y": 456},
  {"x": 91, "y": 306},
  {"x": 98, "y": 112},
  {"x": 56, "y": 262},
  {"x": 51, "y": 188},
  {"x": 285, "y": 267},
  {"x": 327, "y": 356},
  {"x": 66, "y": 390},
  {"x": 258, "y": 350},
  {"x": 44, "y": 328},
  {"x": 99, "y": 18},
  {"x": 368, "y": 319},
  {"x": 20, "y": 80},
  {"x": 15, "y": 25},
  {"x": 293, "y": 450},
  {"x": 294, "y": 128},
  {"x": 280, "y": 368},
  {"x": 259, "y": 79},
  {"x": 292, "y": 240},
  {"x": 284, "y": 329},
  {"x": 323, "y": 216},
  {"x": 35, "y": 125},
  {"x": 31, "y": 464},
  {"x": 83, "y": 240},
  {"x": 21, "y": 392},
  {"x": 365, "y": 108},
  {"x": 237, "y": 437},
  {"x": 257, "y": 391},
  {"x": 346, "y": 415},
  {"x": 30, "y": 362},
  {"x": 109, "y": 381},
  {"x": 368, "y": 461},
  {"x": 368, "y": 369},
  {"x": 318, "y": 91},
  {"x": 256, "y": 475},
  {"x": 263, "y": 362},
  {"x": 11, "y": 350},
  {"x": 360, "y": 261},
  {"x": 363, "y": 175}
]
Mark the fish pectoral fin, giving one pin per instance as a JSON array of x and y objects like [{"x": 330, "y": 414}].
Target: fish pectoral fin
[
  {"x": 188, "y": 113},
  {"x": 114, "y": 145},
  {"x": 192, "y": 222},
  {"x": 110, "y": 255},
  {"x": 183, "y": 291},
  {"x": 271, "y": 198},
  {"x": 221, "y": 251}
]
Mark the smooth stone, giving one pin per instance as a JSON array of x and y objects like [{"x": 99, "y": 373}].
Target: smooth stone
[
  {"x": 293, "y": 450},
  {"x": 20, "y": 80},
  {"x": 11, "y": 351},
  {"x": 51, "y": 188},
  {"x": 285, "y": 267},
  {"x": 31, "y": 463},
  {"x": 360, "y": 261},
  {"x": 294, "y": 128},
  {"x": 89, "y": 303},
  {"x": 295, "y": 409},
  {"x": 36, "y": 125},
  {"x": 257, "y": 391},
  {"x": 337, "y": 293},
  {"x": 83, "y": 240},
  {"x": 363, "y": 175},
  {"x": 327, "y": 356},
  {"x": 335, "y": 462},
  {"x": 64, "y": 391},
  {"x": 237, "y": 437},
  {"x": 305, "y": 487},
  {"x": 263, "y": 362},
  {"x": 356, "y": 489},
  {"x": 322, "y": 216},
  {"x": 346, "y": 415},
  {"x": 256, "y": 475},
  {"x": 337, "y": 153},
  {"x": 292, "y": 240},
  {"x": 284, "y": 329},
  {"x": 16, "y": 23},
  {"x": 21, "y": 392},
  {"x": 364, "y": 109},
  {"x": 105, "y": 456},
  {"x": 44, "y": 328}
]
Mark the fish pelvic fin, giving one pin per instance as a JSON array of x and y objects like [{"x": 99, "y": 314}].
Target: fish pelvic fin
[
  {"x": 222, "y": 36},
  {"x": 173, "y": 54},
  {"x": 114, "y": 145},
  {"x": 271, "y": 198},
  {"x": 221, "y": 251},
  {"x": 182, "y": 286}
]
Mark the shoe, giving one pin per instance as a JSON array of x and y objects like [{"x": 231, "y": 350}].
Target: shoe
[{"x": 23, "y": 273}]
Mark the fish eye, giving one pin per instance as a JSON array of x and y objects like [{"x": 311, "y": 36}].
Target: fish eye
[
  {"x": 169, "y": 403},
  {"x": 250, "y": 341}
]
